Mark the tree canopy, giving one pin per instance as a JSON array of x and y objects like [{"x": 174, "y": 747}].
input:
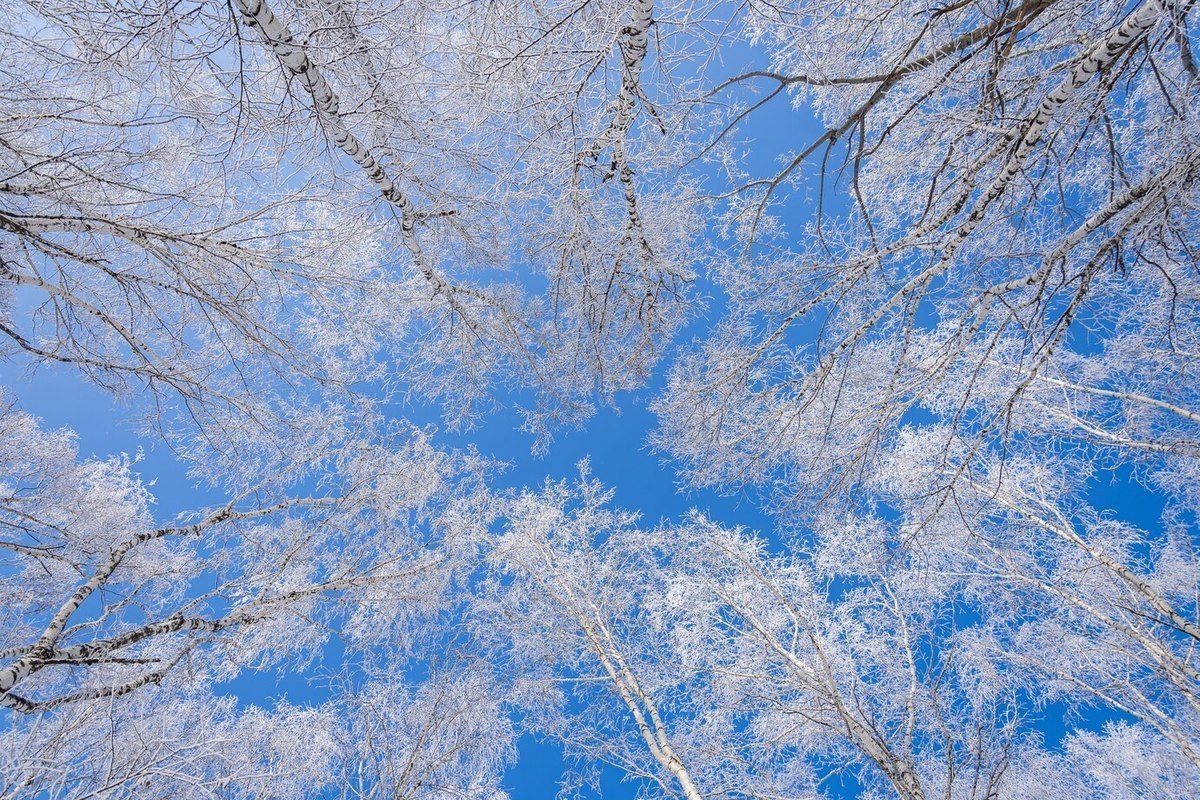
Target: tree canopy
[{"x": 919, "y": 283}]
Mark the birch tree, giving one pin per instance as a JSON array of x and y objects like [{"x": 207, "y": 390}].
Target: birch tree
[
  {"x": 395, "y": 174},
  {"x": 1016, "y": 175},
  {"x": 1003, "y": 315},
  {"x": 110, "y": 616},
  {"x": 906, "y": 673}
]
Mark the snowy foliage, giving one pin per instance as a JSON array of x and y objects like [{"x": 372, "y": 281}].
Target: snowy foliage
[{"x": 946, "y": 337}]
